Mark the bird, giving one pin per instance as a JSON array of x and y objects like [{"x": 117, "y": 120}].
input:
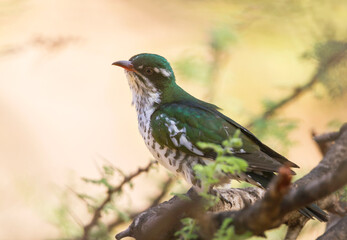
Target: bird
[{"x": 172, "y": 122}]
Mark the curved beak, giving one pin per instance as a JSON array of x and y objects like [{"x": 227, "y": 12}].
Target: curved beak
[{"x": 127, "y": 65}]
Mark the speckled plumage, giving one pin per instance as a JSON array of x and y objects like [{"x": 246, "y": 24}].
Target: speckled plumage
[
  {"x": 145, "y": 102},
  {"x": 171, "y": 122}
]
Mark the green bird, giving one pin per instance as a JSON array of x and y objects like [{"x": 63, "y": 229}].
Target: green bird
[{"x": 172, "y": 122}]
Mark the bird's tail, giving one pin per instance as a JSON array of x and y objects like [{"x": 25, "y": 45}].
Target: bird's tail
[{"x": 311, "y": 211}]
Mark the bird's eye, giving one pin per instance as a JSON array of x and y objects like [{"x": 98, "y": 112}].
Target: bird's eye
[{"x": 149, "y": 71}]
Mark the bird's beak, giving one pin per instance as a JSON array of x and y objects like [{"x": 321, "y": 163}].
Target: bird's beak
[{"x": 127, "y": 65}]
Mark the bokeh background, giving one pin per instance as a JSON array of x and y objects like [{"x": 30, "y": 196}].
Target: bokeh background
[{"x": 65, "y": 111}]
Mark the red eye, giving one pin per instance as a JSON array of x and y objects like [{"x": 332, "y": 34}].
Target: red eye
[{"x": 148, "y": 71}]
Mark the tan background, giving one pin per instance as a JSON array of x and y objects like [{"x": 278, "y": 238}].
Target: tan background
[{"x": 62, "y": 107}]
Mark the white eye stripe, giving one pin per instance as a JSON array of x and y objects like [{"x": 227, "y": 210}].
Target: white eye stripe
[
  {"x": 165, "y": 72},
  {"x": 162, "y": 71}
]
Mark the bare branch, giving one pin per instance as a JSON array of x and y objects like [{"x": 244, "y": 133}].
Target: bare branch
[
  {"x": 97, "y": 213},
  {"x": 271, "y": 211},
  {"x": 338, "y": 231},
  {"x": 264, "y": 213},
  {"x": 51, "y": 44},
  {"x": 327, "y": 137},
  {"x": 231, "y": 199},
  {"x": 259, "y": 218},
  {"x": 154, "y": 203},
  {"x": 161, "y": 221},
  {"x": 298, "y": 91}
]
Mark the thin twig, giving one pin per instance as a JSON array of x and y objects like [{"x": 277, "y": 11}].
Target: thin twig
[
  {"x": 154, "y": 203},
  {"x": 269, "y": 212},
  {"x": 163, "y": 192},
  {"x": 334, "y": 165},
  {"x": 48, "y": 43},
  {"x": 97, "y": 213},
  {"x": 298, "y": 91}
]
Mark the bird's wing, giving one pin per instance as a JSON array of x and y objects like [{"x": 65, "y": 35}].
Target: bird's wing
[
  {"x": 264, "y": 148},
  {"x": 180, "y": 126}
]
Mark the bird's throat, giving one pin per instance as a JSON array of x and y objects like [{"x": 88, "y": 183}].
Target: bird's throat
[{"x": 145, "y": 96}]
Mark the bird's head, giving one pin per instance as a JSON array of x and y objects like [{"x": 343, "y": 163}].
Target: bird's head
[{"x": 148, "y": 73}]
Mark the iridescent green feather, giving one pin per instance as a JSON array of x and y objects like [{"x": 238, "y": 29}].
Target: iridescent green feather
[{"x": 200, "y": 126}]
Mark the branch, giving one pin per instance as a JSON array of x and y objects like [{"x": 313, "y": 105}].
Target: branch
[
  {"x": 264, "y": 213},
  {"x": 337, "y": 231},
  {"x": 298, "y": 91},
  {"x": 48, "y": 43},
  {"x": 310, "y": 188},
  {"x": 154, "y": 203},
  {"x": 231, "y": 199},
  {"x": 267, "y": 213},
  {"x": 159, "y": 221},
  {"x": 324, "y": 141},
  {"x": 97, "y": 213},
  {"x": 327, "y": 137}
]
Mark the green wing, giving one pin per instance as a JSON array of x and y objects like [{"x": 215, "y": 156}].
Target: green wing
[
  {"x": 174, "y": 124},
  {"x": 181, "y": 125}
]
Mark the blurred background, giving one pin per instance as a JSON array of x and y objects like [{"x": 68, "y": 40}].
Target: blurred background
[{"x": 65, "y": 112}]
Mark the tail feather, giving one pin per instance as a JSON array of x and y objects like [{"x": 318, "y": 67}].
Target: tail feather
[{"x": 311, "y": 211}]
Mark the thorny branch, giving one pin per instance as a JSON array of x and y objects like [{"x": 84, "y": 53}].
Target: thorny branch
[
  {"x": 324, "y": 141},
  {"x": 298, "y": 91},
  {"x": 269, "y": 212},
  {"x": 47, "y": 43},
  {"x": 154, "y": 202},
  {"x": 327, "y": 180},
  {"x": 97, "y": 213},
  {"x": 236, "y": 200}
]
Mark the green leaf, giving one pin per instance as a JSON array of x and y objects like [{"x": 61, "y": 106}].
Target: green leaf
[
  {"x": 181, "y": 196},
  {"x": 215, "y": 147},
  {"x": 101, "y": 181},
  {"x": 222, "y": 37},
  {"x": 227, "y": 232},
  {"x": 108, "y": 170},
  {"x": 189, "y": 229}
]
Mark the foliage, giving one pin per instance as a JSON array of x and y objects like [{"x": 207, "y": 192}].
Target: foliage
[
  {"x": 344, "y": 194},
  {"x": 331, "y": 56},
  {"x": 63, "y": 219},
  {"x": 211, "y": 175},
  {"x": 205, "y": 66},
  {"x": 106, "y": 204},
  {"x": 200, "y": 66},
  {"x": 221, "y": 37},
  {"x": 224, "y": 163},
  {"x": 189, "y": 230},
  {"x": 227, "y": 232},
  {"x": 193, "y": 68},
  {"x": 334, "y": 124},
  {"x": 276, "y": 130},
  {"x": 100, "y": 232}
]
